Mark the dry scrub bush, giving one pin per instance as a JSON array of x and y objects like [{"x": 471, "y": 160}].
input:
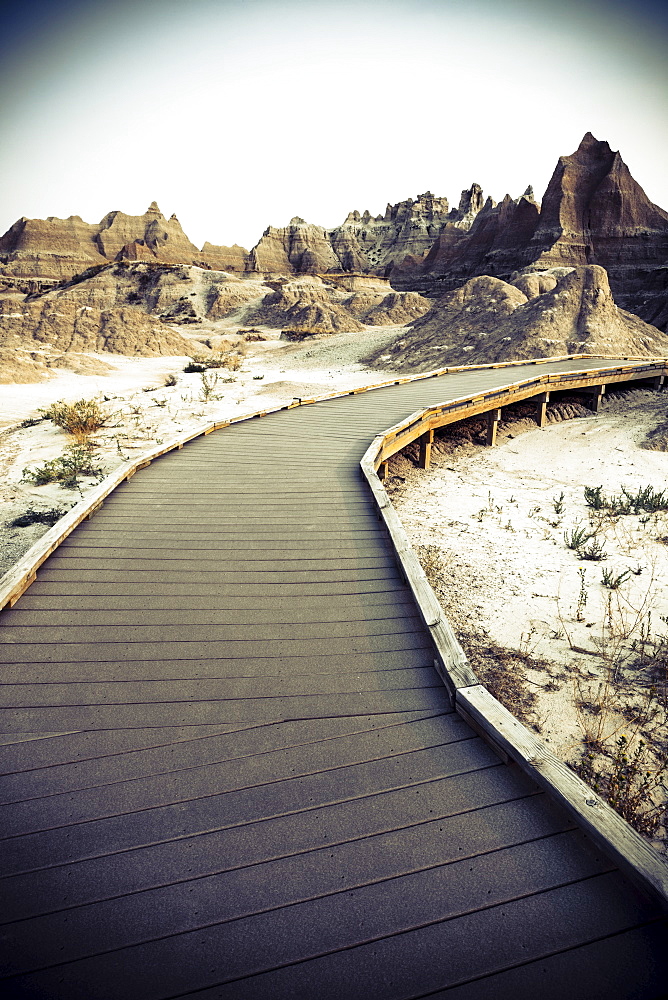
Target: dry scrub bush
[
  {"x": 232, "y": 360},
  {"x": 629, "y": 783},
  {"x": 77, "y": 461},
  {"x": 80, "y": 419}
]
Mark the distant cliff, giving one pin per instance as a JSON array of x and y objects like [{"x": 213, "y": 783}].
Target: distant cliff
[{"x": 593, "y": 212}]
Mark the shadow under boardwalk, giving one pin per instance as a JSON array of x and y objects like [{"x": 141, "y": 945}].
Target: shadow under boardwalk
[{"x": 231, "y": 770}]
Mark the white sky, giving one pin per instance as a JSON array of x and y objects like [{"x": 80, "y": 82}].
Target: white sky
[{"x": 238, "y": 115}]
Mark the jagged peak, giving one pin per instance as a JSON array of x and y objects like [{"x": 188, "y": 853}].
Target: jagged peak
[
  {"x": 153, "y": 209},
  {"x": 296, "y": 220},
  {"x": 589, "y": 141}
]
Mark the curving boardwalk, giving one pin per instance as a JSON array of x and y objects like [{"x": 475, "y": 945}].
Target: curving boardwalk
[{"x": 231, "y": 770}]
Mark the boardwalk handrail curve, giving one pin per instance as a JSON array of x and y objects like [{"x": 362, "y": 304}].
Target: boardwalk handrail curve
[{"x": 468, "y": 696}]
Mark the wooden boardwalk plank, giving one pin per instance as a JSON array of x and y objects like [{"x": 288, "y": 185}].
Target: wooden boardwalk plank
[
  {"x": 495, "y": 803},
  {"x": 325, "y": 920},
  {"x": 261, "y": 789}
]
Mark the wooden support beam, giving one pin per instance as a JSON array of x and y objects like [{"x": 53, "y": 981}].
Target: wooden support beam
[
  {"x": 383, "y": 470},
  {"x": 541, "y": 408},
  {"x": 595, "y": 394},
  {"x": 493, "y": 417},
  {"x": 426, "y": 442},
  {"x": 658, "y": 382},
  {"x": 93, "y": 512}
]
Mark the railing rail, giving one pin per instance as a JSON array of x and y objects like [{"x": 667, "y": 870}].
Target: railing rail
[{"x": 470, "y": 698}]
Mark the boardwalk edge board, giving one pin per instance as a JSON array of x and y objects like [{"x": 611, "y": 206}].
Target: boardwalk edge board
[
  {"x": 470, "y": 699},
  {"x": 494, "y": 723}
]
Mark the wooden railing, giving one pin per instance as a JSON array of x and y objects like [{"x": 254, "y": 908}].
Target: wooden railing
[{"x": 486, "y": 715}]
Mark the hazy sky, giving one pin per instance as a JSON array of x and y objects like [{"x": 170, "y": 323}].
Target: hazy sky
[{"x": 237, "y": 114}]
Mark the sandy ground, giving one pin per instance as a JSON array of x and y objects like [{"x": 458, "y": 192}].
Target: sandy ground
[{"x": 490, "y": 527}]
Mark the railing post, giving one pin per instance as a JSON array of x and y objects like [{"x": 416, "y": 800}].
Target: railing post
[
  {"x": 595, "y": 394},
  {"x": 426, "y": 442},
  {"x": 541, "y": 408},
  {"x": 493, "y": 417}
]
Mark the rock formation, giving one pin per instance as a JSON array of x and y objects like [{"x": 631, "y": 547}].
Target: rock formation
[
  {"x": 488, "y": 246},
  {"x": 101, "y": 313},
  {"x": 55, "y": 249},
  {"x": 593, "y": 212},
  {"x": 305, "y": 305},
  {"x": 377, "y": 243},
  {"x": 299, "y": 248},
  {"x": 489, "y": 320},
  {"x": 234, "y": 258},
  {"x": 392, "y": 309},
  {"x": 49, "y": 248}
]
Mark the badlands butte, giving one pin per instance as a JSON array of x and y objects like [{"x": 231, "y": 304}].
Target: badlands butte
[{"x": 583, "y": 271}]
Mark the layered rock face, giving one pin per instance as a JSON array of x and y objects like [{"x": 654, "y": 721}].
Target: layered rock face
[
  {"x": 489, "y": 320},
  {"x": 52, "y": 326},
  {"x": 299, "y": 248},
  {"x": 311, "y": 304},
  {"x": 488, "y": 246},
  {"x": 49, "y": 248},
  {"x": 118, "y": 309},
  {"x": 57, "y": 249},
  {"x": 593, "y": 212},
  {"x": 364, "y": 243}
]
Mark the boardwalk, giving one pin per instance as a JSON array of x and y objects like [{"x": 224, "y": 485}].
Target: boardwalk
[{"x": 231, "y": 770}]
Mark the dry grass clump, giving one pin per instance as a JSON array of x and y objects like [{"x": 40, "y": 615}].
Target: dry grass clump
[
  {"x": 80, "y": 419},
  {"x": 230, "y": 359}
]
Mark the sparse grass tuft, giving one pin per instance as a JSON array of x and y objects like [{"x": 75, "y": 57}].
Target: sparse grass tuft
[
  {"x": 594, "y": 552},
  {"x": 613, "y": 580},
  {"x": 558, "y": 504},
  {"x": 594, "y": 497},
  {"x": 628, "y": 783},
  {"x": 645, "y": 499},
  {"x": 577, "y": 537}
]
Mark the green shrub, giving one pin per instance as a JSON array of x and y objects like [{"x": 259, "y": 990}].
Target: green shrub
[
  {"x": 77, "y": 461},
  {"x": 578, "y": 537}
]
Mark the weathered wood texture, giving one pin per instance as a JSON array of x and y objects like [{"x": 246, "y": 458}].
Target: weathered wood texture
[{"x": 230, "y": 769}]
